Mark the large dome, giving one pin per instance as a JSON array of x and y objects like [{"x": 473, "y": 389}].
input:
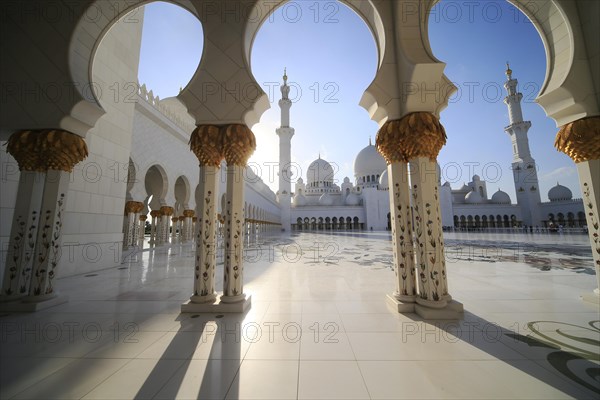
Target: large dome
[
  {"x": 500, "y": 197},
  {"x": 473, "y": 198},
  {"x": 319, "y": 171},
  {"x": 560, "y": 192},
  {"x": 369, "y": 162}
]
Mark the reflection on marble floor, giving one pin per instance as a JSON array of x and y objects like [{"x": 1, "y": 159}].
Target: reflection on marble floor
[{"x": 319, "y": 327}]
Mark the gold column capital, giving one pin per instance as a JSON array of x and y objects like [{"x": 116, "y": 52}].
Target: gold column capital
[
  {"x": 44, "y": 149},
  {"x": 194, "y": 219},
  {"x": 155, "y": 213},
  {"x": 174, "y": 219},
  {"x": 143, "y": 217},
  {"x": 418, "y": 134},
  {"x": 166, "y": 210},
  {"x": 133, "y": 207},
  {"x": 189, "y": 213},
  {"x": 238, "y": 144},
  {"x": 206, "y": 144},
  {"x": 580, "y": 139},
  {"x": 181, "y": 218}
]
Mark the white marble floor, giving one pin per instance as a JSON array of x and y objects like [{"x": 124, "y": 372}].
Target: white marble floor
[{"x": 319, "y": 327}]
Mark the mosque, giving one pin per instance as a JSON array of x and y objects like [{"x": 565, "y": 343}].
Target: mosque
[
  {"x": 322, "y": 204},
  {"x": 83, "y": 173}
]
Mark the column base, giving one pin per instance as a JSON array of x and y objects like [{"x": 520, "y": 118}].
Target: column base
[
  {"x": 400, "y": 306},
  {"x": 217, "y": 307},
  {"x": 204, "y": 299},
  {"x": 593, "y": 297},
  {"x": 31, "y": 304},
  {"x": 453, "y": 310}
]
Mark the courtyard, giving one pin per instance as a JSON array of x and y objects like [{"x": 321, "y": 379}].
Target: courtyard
[{"x": 318, "y": 327}]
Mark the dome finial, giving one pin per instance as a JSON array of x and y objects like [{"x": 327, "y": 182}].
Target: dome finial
[
  {"x": 284, "y": 75},
  {"x": 370, "y": 141},
  {"x": 508, "y": 71}
]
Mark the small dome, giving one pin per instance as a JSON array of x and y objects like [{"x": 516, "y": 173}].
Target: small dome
[
  {"x": 299, "y": 200},
  {"x": 352, "y": 199},
  {"x": 500, "y": 197},
  {"x": 447, "y": 184},
  {"x": 465, "y": 188},
  {"x": 476, "y": 178},
  {"x": 473, "y": 198},
  {"x": 384, "y": 183},
  {"x": 369, "y": 162},
  {"x": 560, "y": 192},
  {"x": 319, "y": 171},
  {"x": 346, "y": 180},
  {"x": 326, "y": 199},
  {"x": 300, "y": 181}
]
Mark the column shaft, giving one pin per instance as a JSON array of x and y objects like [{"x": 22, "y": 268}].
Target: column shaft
[
  {"x": 431, "y": 266},
  {"x": 589, "y": 178},
  {"x": 233, "y": 290},
  {"x": 49, "y": 237},
  {"x": 402, "y": 242},
  {"x": 23, "y": 233},
  {"x": 206, "y": 242}
]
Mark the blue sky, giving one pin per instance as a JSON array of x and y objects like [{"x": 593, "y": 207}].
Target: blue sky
[{"x": 331, "y": 58}]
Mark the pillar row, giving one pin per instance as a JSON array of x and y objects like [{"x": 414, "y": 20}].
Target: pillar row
[
  {"x": 130, "y": 223},
  {"x": 46, "y": 158},
  {"x": 580, "y": 140}
]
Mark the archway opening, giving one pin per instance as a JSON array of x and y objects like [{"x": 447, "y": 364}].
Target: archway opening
[{"x": 325, "y": 95}]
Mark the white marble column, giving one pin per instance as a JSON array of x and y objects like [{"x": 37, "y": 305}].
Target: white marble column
[
  {"x": 48, "y": 243},
  {"x": 589, "y": 178},
  {"x": 35, "y": 252},
  {"x": 429, "y": 244},
  {"x": 142, "y": 230},
  {"x": 417, "y": 139},
  {"x": 174, "y": 229},
  {"x": 19, "y": 258},
  {"x": 206, "y": 241},
  {"x": 154, "y": 226},
  {"x": 580, "y": 140},
  {"x": 233, "y": 281},
  {"x": 402, "y": 241}
]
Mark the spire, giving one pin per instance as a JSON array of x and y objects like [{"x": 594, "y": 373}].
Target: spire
[
  {"x": 285, "y": 89},
  {"x": 370, "y": 141},
  {"x": 508, "y": 71}
]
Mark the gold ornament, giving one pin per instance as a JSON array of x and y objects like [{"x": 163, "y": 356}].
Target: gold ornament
[
  {"x": 238, "y": 144},
  {"x": 580, "y": 139},
  {"x": 166, "y": 210},
  {"x": 418, "y": 134},
  {"x": 206, "y": 143},
  {"x": 44, "y": 149},
  {"x": 188, "y": 213},
  {"x": 155, "y": 213}
]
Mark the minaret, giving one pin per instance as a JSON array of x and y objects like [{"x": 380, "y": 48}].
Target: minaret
[
  {"x": 285, "y": 133},
  {"x": 523, "y": 165}
]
